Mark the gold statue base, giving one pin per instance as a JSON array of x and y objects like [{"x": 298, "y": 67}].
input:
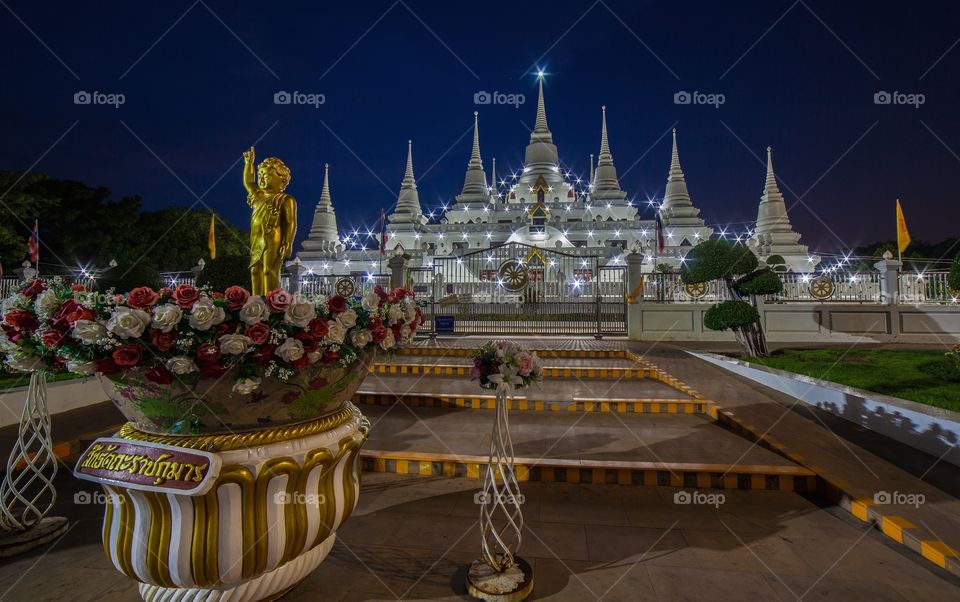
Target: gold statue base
[{"x": 512, "y": 585}]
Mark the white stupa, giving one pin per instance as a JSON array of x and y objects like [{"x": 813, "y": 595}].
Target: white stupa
[
  {"x": 324, "y": 239},
  {"x": 774, "y": 235},
  {"x": 408, "y": 209}
]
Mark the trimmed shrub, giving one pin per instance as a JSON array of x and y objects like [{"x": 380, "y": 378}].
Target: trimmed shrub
[
  {"x": 953, "y": 278},
  {"x": 716, "y": 260},
  {"x": 224, "y": 272},
  {"x": 762, "y": 282},
  {"x": 730, "y": 314}
]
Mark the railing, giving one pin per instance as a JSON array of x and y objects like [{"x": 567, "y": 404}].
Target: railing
[
  {"x": 856, "y": 288},
  {"x": 927, "y": 287}
]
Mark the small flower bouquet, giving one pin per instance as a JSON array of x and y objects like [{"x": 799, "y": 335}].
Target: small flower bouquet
[
  {"x": 505, "y": 365},
  {"x": 191, "y": 361}
]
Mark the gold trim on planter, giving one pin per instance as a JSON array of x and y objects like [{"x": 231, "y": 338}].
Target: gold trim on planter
[{"x": 214, "y": 443}]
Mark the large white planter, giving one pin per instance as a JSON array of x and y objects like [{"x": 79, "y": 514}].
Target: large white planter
[{"x": 268, "y": 518}]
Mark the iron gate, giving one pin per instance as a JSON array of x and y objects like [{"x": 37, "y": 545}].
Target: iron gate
[{"x": 521, "y": 289}]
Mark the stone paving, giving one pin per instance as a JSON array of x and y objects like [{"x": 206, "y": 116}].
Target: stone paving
[{"x": 412, "y": 538}]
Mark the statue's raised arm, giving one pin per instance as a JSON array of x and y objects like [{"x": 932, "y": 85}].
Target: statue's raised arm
[{"x": 249, "y": 177}]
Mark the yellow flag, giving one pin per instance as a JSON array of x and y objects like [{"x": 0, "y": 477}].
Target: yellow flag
[
  {"x": 903, "y": 237},
  {"x": 212, "y": 240}
]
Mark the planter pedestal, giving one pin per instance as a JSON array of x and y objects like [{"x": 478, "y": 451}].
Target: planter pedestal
[{"x": 247, "y": 516}]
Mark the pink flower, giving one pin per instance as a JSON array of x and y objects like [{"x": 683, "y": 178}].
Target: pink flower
[{"x": 526, "y": 365}]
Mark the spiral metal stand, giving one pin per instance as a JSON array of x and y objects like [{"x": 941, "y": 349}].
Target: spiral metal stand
[
  {"x": 27, "y": 492},
  {"x": 500, "y": 575}
]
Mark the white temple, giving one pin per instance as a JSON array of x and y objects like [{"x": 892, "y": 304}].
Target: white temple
[
  {"x": 546, "y": 206},
  {"x": 773, "y": 235}
]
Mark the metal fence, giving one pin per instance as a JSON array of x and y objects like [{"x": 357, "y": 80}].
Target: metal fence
[
  {"x": 808, "y": 288},
  {"x": 927, "y": 288}
]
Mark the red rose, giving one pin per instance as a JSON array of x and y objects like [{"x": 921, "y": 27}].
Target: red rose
[
  {"x": 160, "y": 375},
  {"x": 69, "y": 313},
  {"x": 399, "y": 292},
  {"x": 12, "y": 333},
  {"x": 301, "y": 362},
  {"x": 53, "y": 337},
  {"x": 224, "y": 328},
  {"x": 258, "y": 333},
  {"x": 34, "y": 288},
  {"x": 208, "y": 353},
  {"x": 216, "y": 295},
  {"x": 77, "y": 288},
  {"x": 378, "y": 331},
  {"x": 337, "y": 304},
  {"x": 185, "y": 296},
  {"x": 317, "y": 383},
  {"x": 330, "y": 356},
  {"x": 236, "y": 297},
  {"x": 127, "y": 355},
  {"x": 378, "y": 289},
  {"x": 142, "y": 297},
  {"x": 396, "y": 331},
  {"x": 213, "y": 370},
  {"x": 163, "y": 341},
  {"x": 318, "y": 327},
  {"x": 278, "y": 300},
  {"x": 22, "y": 320},
  {"x": 265, "y": 353},
  {"x": 164, "y": 290},
  {"x": 309, "y": 341},
  {"x": 108, "y": 367}
]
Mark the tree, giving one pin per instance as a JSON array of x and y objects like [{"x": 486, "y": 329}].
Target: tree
[
  {"x": 175, "y": 238},
  {"x": 21, "y": 203},
  {"x": 739, "y": 269},
  {"x": 224, "y": 272}
]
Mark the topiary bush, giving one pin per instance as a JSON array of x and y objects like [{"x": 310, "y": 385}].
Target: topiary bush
[
  {"x": 224, "y": 272},
  {"x": 730, "y": 315},
  {"x": 123, "y": 279},
  {"x": 953, "y": 278},
  {"x": 777, "y": 263},
  {"x": 762, "y": 282},
  {"x": 717, "y": 260}
]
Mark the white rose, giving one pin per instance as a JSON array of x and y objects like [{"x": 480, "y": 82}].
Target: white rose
[
  {"x": 336, "y": 332},
  {"x": 127, "y": 322},
  {"x": 46, "y": 303},
  {"x": 348, "y": 318},
  {"x": 12, "y": 302},
  {"x": 25, "y": 363},
  {"x": 361, "y": 337},
  {"x": 370, "y": 301},
  {"x": 5, "y": 343},
  {"x": 81, "y": 367},
  {"x": 245, "y": 386},
  {"x": 166, "y": 317},
  {"x": 290, "y": 351},
  {"x": 254, "y": 310},
  {"x": 405, "y": 333},
  {"x": 204, "y": 315},
  {"x": 409, "y": 310},
  {"x": 234, "y": 344},
  {"x": 299, "y": 313},
  {"x": 388, "y": 341},
  {"x": 314, "y": 356},
  {"x": 181, "y": 364},
  {"x": 395, "y": 314},
  {"x": 88, "y": 331}
]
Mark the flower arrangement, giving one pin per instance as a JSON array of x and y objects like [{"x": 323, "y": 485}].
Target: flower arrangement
[
  {"x": 174, "y": 346},
  {"x": 505, "y": 364}
]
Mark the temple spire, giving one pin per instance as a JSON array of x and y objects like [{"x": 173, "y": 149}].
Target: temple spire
[
  {"x": 606, "y": 184},
  {"x": 325, "y": 202},
  {"x": 541, "y": 132},
  {"x": 677, "y": 208},
  {"x": 770, "y": 186},
  {"x": 605, "y": 156},
  {"x": 324, "y": 238},
  {"x": 475, "y": 181},
  {"x": 494, "y": 189},
  {"x": 408, "y": 201}
]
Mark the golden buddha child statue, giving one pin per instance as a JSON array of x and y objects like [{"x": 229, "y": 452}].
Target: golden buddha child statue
[{"x": 273, "y": 224}]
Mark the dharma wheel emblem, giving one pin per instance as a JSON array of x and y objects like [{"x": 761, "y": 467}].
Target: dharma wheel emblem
[
  {"x": 345, "y": 287},
  {"x": 513, "y": 275},
  {"x": 695, "y": 290},
  {"x": 821, "y": 287}
]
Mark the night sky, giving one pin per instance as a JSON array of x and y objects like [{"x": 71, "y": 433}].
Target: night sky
[{"x": 199, "y": 83}]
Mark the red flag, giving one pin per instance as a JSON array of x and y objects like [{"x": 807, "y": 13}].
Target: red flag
[
  {"x": 33, "y": 244},
  {"x": 383, "y": 233},
  {"x": 660, "y": 241}
]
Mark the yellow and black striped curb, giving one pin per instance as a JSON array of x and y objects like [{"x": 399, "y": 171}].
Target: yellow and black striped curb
[
  {"x": 543, "y": 353},
  {"x": 665, "y": 377},
  {"x": 896, "y": 527},
  {"x": 548, "y": 372},
  {"x": 520, "y": 403},
  {"x": 651, "y": 474}
]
